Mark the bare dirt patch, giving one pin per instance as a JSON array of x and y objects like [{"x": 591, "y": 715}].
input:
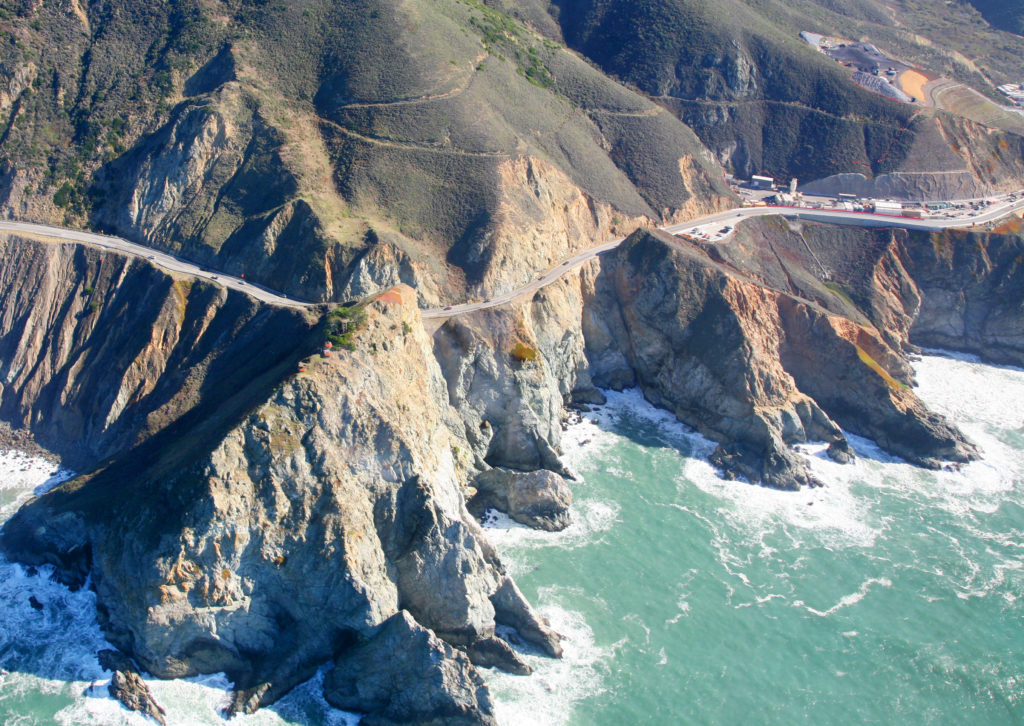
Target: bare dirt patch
[{"x": 913, "y": 82}]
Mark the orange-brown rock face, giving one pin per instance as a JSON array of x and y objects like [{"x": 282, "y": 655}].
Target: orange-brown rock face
[{"x": 751, "y": 366}]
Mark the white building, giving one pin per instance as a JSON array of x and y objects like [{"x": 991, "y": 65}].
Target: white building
[
  {"x": 1014, "y": 91},
  {"x": 888, "y": 208},
  {"x": 762, "y": 182}
]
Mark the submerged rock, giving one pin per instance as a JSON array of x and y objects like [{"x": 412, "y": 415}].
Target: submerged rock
[
  {"x": 538, "y": 499},
  {"x": 404, "y": 674}
]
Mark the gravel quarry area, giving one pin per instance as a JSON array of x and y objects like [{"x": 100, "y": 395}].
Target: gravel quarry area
[
  {"x": 879, "y": 84},
  {"x": 865, "y": 57}
]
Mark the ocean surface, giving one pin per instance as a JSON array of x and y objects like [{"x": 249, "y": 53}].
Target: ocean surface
[{"x": 891, "y": 595}]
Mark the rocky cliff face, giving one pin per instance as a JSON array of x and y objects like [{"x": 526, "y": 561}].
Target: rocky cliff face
[
  {"x": 973, "y": 296},
  {"x": 750, "y": 365},
  {"x": 780, "y": 336},
  {"x": 213, "y": 184},
  {"x": 303, "y": 517},
  {"x": 99, "y": 351},
  {"x": 327, "y": 509}
]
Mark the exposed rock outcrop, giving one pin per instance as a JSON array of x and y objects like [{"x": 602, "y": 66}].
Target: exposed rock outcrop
[
  {"x": 972, "y": 291},
  {"x": 538, "y": 499},
  {"x": 310, "y": 522},
  {"x": 404, "y": 674},
  {"x": 127, "y": 686},
  {"x": 750, "y": 366},
  {"x": 509, "y": 373}
]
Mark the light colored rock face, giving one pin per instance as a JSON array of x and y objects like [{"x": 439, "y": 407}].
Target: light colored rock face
[
  {"x": 14, "y": 82},
  {"x": 543, "y": 218},
  {"x": 972, "y": 293},
  {"x": 511, "y": 370},
  {"x": 213, "y": 184},
  {"x": 329, "y": 507}
]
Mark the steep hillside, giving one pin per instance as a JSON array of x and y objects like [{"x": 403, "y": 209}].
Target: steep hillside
[
  {"x": 762, "y": 99},
  {"x": 282, "y": 141},
  {"x": 100, "y": 352}
]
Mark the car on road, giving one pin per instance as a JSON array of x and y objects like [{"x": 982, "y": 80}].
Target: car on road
[
  {"x": 150, "y": 257},
  {"x": 213, "y": 277},
  {"x": 448, "y": 308}
]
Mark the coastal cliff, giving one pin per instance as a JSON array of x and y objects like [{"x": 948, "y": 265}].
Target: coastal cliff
[
  {"x": 99, "y": 351},
  {"x": 974, "y": 293},
  {"x": 286, "y": 519},
  {"x": 326, "y": 510},
  {"x": 750, "y": 366}
]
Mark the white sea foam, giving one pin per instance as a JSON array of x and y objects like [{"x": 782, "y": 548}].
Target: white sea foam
[
  {"x": 846, "y": 600},
  {"x": 590, "y": 517},
  {"x": 50, "y": 653},
  {"x": 23, "y": 471},
  {"x": 546, "y": 698},
  {"x": 748, "y": 525}
]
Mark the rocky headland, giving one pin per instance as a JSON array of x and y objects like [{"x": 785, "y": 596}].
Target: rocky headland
[
  {"x": 248, "y": 503},
  {"x": 292, "y": 509}
]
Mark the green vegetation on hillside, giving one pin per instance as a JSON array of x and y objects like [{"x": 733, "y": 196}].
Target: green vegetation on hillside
[
  {"x": 1006, "y": 15},
  {"x": 275, "y": 139}
]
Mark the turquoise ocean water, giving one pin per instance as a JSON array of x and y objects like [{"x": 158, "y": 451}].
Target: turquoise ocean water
[{"x": 892, "y": 595}]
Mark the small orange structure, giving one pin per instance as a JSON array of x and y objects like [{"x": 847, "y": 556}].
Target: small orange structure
[
  {"x": 328, "y": 345},
  {"x": 302, "y": 367},
  {"x": 326, "y": 353}
]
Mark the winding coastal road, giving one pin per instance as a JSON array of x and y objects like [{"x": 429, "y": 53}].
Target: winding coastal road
[
  {"x": 731, "y": 217},
  {"x": 172, "y": 263},
  {"x": 162, "y": 260}
]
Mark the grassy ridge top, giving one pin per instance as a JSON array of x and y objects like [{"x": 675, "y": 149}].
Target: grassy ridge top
[
  {"x": 762, "y": 99},
  {"x": 221, "y": 129}
]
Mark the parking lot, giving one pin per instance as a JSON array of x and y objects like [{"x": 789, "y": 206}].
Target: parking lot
[{"x": 866, "y": 57}]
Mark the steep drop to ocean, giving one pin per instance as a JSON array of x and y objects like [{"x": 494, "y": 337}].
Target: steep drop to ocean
[{"x": 893, "y": 594}]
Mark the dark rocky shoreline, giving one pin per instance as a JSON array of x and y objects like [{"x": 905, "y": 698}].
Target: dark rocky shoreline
[{"x": 328, "y": 509}]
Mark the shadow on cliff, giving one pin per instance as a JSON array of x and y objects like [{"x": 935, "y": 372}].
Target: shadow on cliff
[{"x": 127, "y": 490}]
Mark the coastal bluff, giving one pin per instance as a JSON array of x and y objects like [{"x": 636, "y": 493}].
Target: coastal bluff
[{"x": 251, "y": 505}]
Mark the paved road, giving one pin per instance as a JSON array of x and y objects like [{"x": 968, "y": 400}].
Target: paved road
[
  {"x": 860, "y": 219},
  {"x": 176, "y": 264},
  {"x": 160, "y": 259}
]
